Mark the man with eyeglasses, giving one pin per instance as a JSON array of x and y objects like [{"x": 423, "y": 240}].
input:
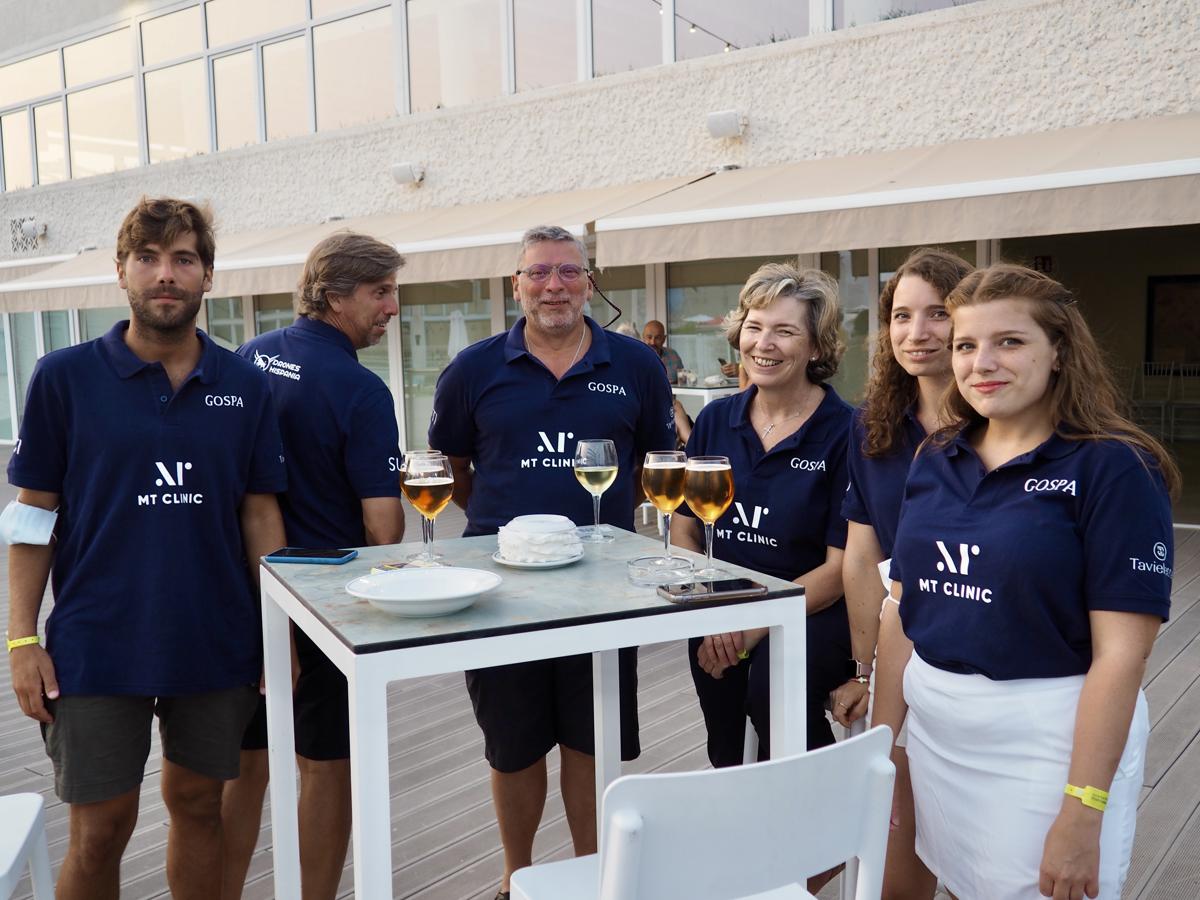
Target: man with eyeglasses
[{"x": 513, "y": 406}]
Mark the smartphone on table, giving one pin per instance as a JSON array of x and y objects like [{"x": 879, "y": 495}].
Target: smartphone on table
[
  {"x": 325, "y": 556},
  {"x": 724, "y": 589}
]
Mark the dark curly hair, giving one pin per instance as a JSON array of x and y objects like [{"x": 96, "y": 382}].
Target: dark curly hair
[{"x": 891, "y": 390}]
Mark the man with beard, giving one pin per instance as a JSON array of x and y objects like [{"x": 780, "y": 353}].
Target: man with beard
[
  {"x": 556, "y": 373},
  {"x": 338, "y": 422},
  {"x": 161, "y": 454}
]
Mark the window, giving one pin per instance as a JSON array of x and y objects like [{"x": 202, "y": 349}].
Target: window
[
  {"x": 546, "y": 44},
  {"x": 626, "y": 287},
  {"x": 103, "y": 135},
  {"x": 285, "y": 73},
  {"x": 272, "y": 311},
  {"x": 30, "y": 78},
  {"x": 848, "y": 13},
  {"x": 236, "y": 20},
  {"x": 7, "y": 432},
  {"x": 323, "y": 8},
  {"x": 51, "y": 143},
  {"x": 436, "y": 320},
  {"x": 24, "y": 344},
  {"x": 237, "y": 106},
  {"x": 699, "y": 294},
  {"x": 98, "y": 58},
  {"x": 225, "y": 323},
  {"x": 177, "y": 111},
  {"x": 171, "y": 36},
  {"x": 18, "y": 161},
  {"x": 352, "y": 59},
  {"x": 455, "y": 53},
  {"x": 626, "y": 35},
  {"x": 851, "y": 269},
  {"x": 56, "y": 330},
  {"x": 94, "y": 323},
  {"x": 709, "y": 26}
]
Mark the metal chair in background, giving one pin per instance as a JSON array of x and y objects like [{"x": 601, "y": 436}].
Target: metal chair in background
[
  {"x": 1183, "y": 419},
  {"x": 1151, "y": 397},
  {"x": 723, "y": 833}
]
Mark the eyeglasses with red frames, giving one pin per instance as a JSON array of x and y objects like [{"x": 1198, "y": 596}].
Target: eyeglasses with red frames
[{"x": 567, "y": 272}]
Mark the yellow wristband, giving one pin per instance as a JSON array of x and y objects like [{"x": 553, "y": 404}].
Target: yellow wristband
[
  {"x": 1089, "y": 796},
  {"x": 743, "y": 654},
  {"x": 22, "y": 642}
]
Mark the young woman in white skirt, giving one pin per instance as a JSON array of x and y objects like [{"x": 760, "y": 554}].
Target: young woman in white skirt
[
  {"x": 1032, "y": 569},
  {"x": 910, "y": 370}
]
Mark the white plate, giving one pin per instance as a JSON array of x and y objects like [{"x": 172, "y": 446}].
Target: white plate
[
  {"x": 423, "y": 592},
  {"x": 543, "y": 564}
]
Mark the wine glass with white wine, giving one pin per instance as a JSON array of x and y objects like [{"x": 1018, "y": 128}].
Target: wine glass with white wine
[
  {"x": 662, "y": 482},
  {"x": 595, "y": 465},
  {"x": 428, "y": 483},
  {"x": 708, "y": 490}
]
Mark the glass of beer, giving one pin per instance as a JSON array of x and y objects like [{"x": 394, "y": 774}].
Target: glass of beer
[
  {"x": 595, "y": 465},
  {"x": 708, "y": 490},
  {"x": 662, "y": 480},
  {"x": 427, "y": 482}
]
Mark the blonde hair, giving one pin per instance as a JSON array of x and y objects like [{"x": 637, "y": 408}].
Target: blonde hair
[{"x": 822, "y": 311}]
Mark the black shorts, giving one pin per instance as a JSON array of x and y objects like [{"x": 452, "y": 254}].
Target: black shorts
[
  {"x": 321, "y": 708},
  {"x": 527, "y": 708},
  {"x": 99, "y": 744}
]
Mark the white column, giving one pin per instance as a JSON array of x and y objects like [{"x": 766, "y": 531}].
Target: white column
[{"x": 668, "y": 31}]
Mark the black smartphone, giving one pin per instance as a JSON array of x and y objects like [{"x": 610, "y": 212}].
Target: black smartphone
[
  {"x": 721, "y": 361},
  {"x": 711, "y": 590},
  {"x": 326, "y": 556}
]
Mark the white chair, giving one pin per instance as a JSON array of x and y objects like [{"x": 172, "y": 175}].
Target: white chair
[
  {"x": 22, "y": 841},
  {"x": 857, "y": 727},
  {"x": 731, "y": 833}
]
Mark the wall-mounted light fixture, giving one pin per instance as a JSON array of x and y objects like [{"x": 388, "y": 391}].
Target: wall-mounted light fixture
[
  {"x": 728, "y": 123},
  {"x": 32, "y": 229},
  {"x": 408, "y": 173}
]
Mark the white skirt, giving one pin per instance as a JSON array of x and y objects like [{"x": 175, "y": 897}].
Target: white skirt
[{"x": 989, "y": 760}]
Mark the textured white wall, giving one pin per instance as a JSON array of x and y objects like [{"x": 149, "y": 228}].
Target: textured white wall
[{"x": 983, "y": 70}]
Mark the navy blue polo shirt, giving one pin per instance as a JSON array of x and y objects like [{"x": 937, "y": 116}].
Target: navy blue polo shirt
[
  {"x": 1000, "y": 569},
  {"x": 497, "y": 404},
  {"x": 339, "y": 430},
  {"x": 152, "y": 595},
  {"x": 786, "y": 506},
  {"x": 876, "y": 486}
]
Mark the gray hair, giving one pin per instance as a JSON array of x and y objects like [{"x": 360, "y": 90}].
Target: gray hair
[{"x": 541, "y": 233}]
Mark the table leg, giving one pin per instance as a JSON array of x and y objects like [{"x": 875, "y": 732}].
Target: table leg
[
  {"x": 281, "y": 746},
  {"x": 789, "y": 668},
  {"x": 606, "y": 708},
  {"x": 369, "y": 785}
]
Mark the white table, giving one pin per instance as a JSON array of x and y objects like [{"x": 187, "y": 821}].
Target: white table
[
  {"x": 588, "y": 607},
  {"x": 706, "y": 394}
]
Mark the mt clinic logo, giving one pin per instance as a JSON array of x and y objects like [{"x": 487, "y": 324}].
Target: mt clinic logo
[
  {"x": 956, "y": 560},
  {"x": 555, "y": 447},
  {"x": 171, "y": 475},
  {"x": 273, "y": 365},
  {"x": 750, "y": 521}
]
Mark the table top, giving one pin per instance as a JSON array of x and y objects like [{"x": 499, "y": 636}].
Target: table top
[
  {"x": 595, "y": 589},
  {"x": 730, "y": 387}
]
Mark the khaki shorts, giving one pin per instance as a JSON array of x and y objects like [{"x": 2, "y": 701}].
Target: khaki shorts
[{"x": 99, "y": 744}]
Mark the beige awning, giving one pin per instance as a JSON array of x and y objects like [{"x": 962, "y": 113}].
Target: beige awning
[
  {"x": 85, "y": 281},
  {"x": 484, "y": 240},
  {"x": 11, "y": 270},
  {"x": 1133, "y": 174}
]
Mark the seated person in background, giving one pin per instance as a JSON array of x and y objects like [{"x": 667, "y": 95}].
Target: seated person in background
[{"x": 655, "y": 335}]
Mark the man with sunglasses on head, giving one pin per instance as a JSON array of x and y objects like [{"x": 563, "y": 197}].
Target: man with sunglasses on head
[{"x": 508, "y": 411}]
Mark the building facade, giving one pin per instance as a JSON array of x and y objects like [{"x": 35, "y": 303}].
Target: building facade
[{"x": 686, "y": 140}]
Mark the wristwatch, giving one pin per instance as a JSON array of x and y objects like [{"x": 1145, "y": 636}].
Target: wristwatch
[{"x": 857, "y": 671}]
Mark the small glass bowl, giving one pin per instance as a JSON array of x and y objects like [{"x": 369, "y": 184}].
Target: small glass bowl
[{"x": 655, "y": 570}]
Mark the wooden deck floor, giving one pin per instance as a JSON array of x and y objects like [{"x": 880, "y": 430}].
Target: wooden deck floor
[{"x": 446, "y": 845}]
